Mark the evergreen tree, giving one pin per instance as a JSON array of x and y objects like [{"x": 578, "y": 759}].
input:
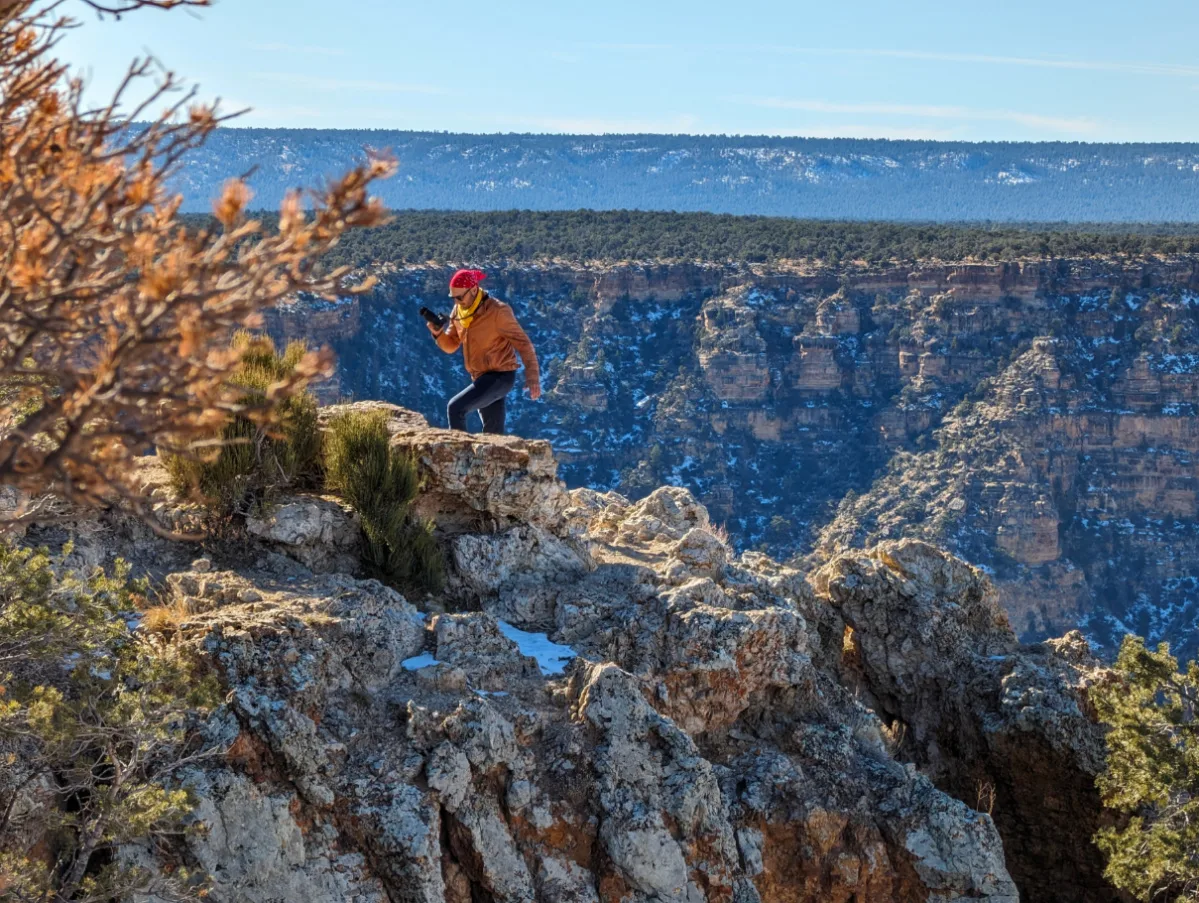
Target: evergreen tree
[
  {"x": 95, "y": 721},
  {"x": 1152, "y": 773}
]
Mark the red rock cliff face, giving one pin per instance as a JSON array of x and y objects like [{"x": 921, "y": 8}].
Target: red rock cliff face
[{"x": 1036, "y": 417}]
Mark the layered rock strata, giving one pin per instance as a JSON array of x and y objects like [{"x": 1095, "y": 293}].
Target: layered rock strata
[{"x": 819, "y": 408}]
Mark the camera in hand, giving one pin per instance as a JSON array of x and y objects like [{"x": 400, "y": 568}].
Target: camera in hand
[{"x": 435, "y": 318}]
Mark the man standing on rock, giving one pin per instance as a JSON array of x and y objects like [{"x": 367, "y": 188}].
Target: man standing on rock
[{"x": 490, "y": 337}]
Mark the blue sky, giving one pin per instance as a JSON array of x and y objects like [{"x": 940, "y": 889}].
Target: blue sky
[{"x": 1074, "y": 70}]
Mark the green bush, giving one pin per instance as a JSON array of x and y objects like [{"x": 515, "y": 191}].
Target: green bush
[
  {"x": 96, "y": 713},
  {"x": 380, "y": 484},
  {"x": 253, "y": 460},
  {"x": 1152, "y": 773}
]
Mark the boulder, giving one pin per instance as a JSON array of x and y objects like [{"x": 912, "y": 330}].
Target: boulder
[
  {"x": 322, "y": 532},
  {"x": 993, "y": 722},
  {"x": 472, "y": 482}
]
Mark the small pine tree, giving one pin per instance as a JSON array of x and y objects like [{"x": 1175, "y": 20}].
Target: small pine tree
[
  {"x": 780, "y": 527},
  {"x": 94, "y": 718},
  {"x": 1152, "y": 773},
  {"x": 380, "y": 484}
]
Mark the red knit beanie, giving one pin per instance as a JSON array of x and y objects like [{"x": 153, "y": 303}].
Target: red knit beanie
[{"x": 467, "y": 278}]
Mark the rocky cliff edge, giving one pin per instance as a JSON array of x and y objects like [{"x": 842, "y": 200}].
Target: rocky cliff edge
[{"x": 606, "y": 705}]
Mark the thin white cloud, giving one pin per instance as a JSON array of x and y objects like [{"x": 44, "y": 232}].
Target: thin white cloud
[
  {"x": 1178, "y": 70},
  {"x": 593, "y": 125},
  {"x": 278, "y": 114},
  {"x": 253, "y": 114},
  {"x": 343, "y": 84},
  {"x": 1076, "y": 124},
  {"x": 1138, "y": 68},
  {"x": 634, "y": 46},
  {"x": 307, "y": 49},
  {"x": 862, "y": 130}
]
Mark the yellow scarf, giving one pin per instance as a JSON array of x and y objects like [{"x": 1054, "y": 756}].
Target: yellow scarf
[{"x": 465, "y": 316}]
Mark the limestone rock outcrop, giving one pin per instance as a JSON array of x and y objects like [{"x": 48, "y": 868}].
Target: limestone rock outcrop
[
  {"x": 977, "y": 712},
  {"x": 471, "y": 482},
  {"x": 319, "y": 532},
  {"x": 732, "y": 354},
  {"x": 607, "y": 705}
]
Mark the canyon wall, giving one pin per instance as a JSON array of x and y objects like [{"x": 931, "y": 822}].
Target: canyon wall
[{"x": 1034, "y": 417}]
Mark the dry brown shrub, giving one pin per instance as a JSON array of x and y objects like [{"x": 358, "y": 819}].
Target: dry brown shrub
[
  {"x": 114, "y": 319},
  {"x": 165, "y": 620}
]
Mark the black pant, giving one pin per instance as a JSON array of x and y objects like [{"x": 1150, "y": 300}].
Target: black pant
[{"x": 485, "y": 395}]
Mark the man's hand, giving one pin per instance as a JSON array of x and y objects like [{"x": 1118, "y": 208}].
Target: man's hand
[
  {"x": 534, "y": 391},
  {"x": 433, "y": 329}
]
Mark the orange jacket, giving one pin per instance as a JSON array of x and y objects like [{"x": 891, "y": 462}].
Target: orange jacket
[{"x": 492, "y": 341}]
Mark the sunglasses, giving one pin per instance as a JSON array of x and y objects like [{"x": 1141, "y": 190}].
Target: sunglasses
[{"x": 460, "y": 295}]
